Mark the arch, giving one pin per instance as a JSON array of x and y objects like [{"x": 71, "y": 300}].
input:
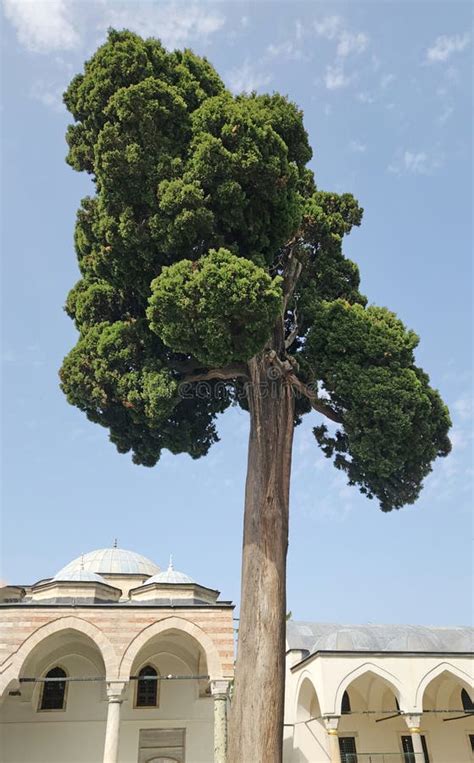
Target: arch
[
  {"x": 389, "y": 679},
  {"x": 305, "y": 684},
  {"x": 443, "y": 667},
  {"x": 70, "y": 623},
  {"x": 163, "y": 626}
]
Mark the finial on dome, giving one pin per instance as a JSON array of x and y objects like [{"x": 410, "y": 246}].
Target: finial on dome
[
  {"x": 115, "y": 543},
  {"x": 170, "y": 565}
]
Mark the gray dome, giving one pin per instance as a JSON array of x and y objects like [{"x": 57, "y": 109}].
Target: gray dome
[
  {"x": 107, "y": 561},
  {"x": 83, "y": 576},
  {"x": 170, "y": 576}
]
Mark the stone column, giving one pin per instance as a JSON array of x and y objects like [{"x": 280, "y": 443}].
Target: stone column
[
  {"x": 413, "y": 722},
  {"x": 331, "y": 723},
  {"x": 112, "y": 729},
  {"x": 220, "y": 694}
]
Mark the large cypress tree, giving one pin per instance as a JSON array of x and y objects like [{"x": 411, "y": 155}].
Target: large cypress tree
[{"x": 209, "y": 254}]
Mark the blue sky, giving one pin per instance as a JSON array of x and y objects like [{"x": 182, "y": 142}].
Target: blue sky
[{"x": 385, "y": 88}]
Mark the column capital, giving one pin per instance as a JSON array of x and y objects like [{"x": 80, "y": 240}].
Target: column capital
[
  {"x": 413, "y": 721},
  {"x": 220, "y": 688},
  {"x": 331, "y": 722},
  {"x": 115, "y": 691}
]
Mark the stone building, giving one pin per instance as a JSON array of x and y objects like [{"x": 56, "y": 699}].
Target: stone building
[{"x": 115, "y": 661}]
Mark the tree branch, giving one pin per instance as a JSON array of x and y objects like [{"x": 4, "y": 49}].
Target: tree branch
[
  {"x": 316, "y": 403},
  {"x": 226, "y": 373}
]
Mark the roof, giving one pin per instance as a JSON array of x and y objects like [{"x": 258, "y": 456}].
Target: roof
[
  {"x": 83, "y": 576},
  {"x": 316, "y": 637},
  {"x": 170, "y": 576},
  {"x": 106, "y": 561}
]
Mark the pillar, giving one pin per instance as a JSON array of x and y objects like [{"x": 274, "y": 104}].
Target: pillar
[
  {"x": 331, "y": 723},
  {"x": 413, "y": 722},
  {"x": 220, "y": 693},
  {"x": 112, "y": 729}
]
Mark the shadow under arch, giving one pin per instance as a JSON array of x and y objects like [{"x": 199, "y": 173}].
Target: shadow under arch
[
  {"x": 13, "y": 665},
  {"x": 162, "y": 627},
  {"x": 389, "y": 679},
  {"x": 463, "y": 678}
]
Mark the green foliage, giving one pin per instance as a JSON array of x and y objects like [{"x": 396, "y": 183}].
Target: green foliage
[
  {"x": 220, "y": 309},
  {"x": 199, "y": 195},
  {"x": 395, "y": 425}
]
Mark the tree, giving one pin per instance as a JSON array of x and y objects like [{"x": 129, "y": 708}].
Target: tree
[{"x": 208, "y": 254}]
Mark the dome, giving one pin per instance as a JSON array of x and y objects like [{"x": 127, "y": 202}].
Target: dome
[
  {"x": 170, "y": 576},
  {"x": 347, "y": 639},
  {"x": 83, "y": 576},
  {"x": 109, "y": 561}
]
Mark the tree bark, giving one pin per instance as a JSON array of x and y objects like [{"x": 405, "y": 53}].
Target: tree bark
[{"x": 256, "y": 719}]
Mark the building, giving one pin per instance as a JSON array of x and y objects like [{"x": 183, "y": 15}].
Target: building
[{"x": 114, "y": 661}]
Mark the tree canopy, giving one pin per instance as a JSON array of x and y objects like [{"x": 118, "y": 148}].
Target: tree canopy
[{"x": 205, "y": 227}]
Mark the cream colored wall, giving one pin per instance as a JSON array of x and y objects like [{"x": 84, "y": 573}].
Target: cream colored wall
[
  {"x": 373, "y": 682},
  {"x": 77, "y": 734}
]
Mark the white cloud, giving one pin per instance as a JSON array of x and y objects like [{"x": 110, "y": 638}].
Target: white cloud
[
  {"x": 288, "y": 49},
  {"x": 415, "y": 163},
  {"x": 245, "y": 79},
  {"x": 351, "y": 43},
  {"x": 357, "y": 147},
  {"x": 335, "y": 78},
  {"x": 175, "y": 24},
  {"x": 348, "y": 43},
  {"x": 444, "y": 47},
  {"x": 42, "y": 25},
  {"x": 464, "y": 408},
  {"x": 329, "y": 27},
  {"x": 49, "y": 95}
]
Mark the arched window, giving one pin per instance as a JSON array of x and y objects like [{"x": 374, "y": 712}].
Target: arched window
[
  {"x": 53, "y": 695},
  {"x": 147, "y": 687},
  {"x": 467, "y": 703},
  {"x": 346, "y": 703}
]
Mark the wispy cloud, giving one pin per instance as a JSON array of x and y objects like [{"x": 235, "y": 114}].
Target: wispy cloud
[
  {"x": 175, "y": 24},
  {"x": 247, "y": 78},
  {"x": 49, "y": 25},
  {"x": 49, "y": 95},
  {"x": 42, "y": 25},
  {"x": 444, "y": 46},
  {"x": 348, "y": 43},
  {"x": 335, "y": 77},
  {"x": 357, "y": 147},
  {"x": 415, "y": 163}
]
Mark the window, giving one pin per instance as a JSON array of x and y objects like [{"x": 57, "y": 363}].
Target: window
[
  {"x": 471, "y": 741},
  {"x": 346, "y": 703},
  {"x": 347, "y": 748},
  {"x": 408, "y": 752},
  {"x": 467, "y": 703},
  {"x": 54, "y": 691},
  {"x": 147, "y": 687}
]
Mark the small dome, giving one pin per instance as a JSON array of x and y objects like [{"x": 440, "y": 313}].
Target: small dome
[
  {"x": 83, "y": 576},
  {"x": 170, "y": 576},
  {"x": 109, "y": 561},
  {"x": 357, "y": 639}
]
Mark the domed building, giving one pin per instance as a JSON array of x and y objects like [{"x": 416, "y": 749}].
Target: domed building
[{"x": 114, "y": 660}]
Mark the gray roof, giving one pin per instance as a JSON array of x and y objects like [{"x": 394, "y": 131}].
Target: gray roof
[{"x": 315, "y": 637}]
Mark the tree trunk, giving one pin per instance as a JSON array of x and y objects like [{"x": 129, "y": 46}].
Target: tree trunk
[{"x": 256, "y": 722}]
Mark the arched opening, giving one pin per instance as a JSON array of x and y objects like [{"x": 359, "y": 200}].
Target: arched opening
[
  {"x": 370, "y": 721},
  {"x": 73, "y": 695},
  {"x": 309, "y": 736},
  {"x": 182, "y": 690},
  {"x": 447, "y": 714}
]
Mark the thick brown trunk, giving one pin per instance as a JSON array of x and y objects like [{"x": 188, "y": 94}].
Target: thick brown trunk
[{"x": 256, "y": 722}]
